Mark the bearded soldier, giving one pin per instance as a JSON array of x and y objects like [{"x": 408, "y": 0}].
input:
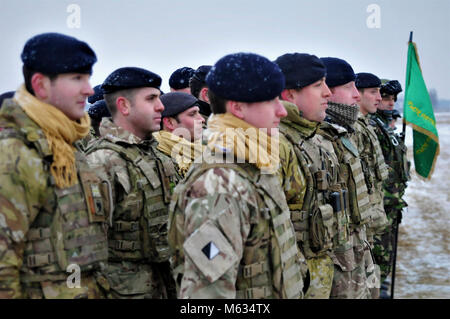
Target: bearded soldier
[
  {"x": 53, "y": 207},
  {"x": 394, "y": 152},
  {"x": 142, "y": 179},
  {"x": 319, "y": 218},
  {"x": 230, "y": 228}
]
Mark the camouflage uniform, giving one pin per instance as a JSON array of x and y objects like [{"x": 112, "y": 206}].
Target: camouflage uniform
[
  {"x": 375, "y": 172},
  {"x": 84, "y": 142},
  {"x": 350, "y": 277},
  {"x": 43, "y": 228},
  {"x": 142, "y": 180},
  {"x": 231, "y": 234},
  {"x": 182, "y": 154},
  {"x": 319, "y": 223},
  {"x": 394, "y": 152}
]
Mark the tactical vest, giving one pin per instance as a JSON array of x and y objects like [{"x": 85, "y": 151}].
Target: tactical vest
[
  {"x": 69, "y": 228},
  {"x": 375, "y": 172},
  {"x": 399, "y": 161},
  {"x": 350, "y": 174},
  {"x": 139, "y": 225},
  {"x": 323, "y": 219},
  {"x": 374, "y": 156},
  {"x": 271, "y": 241}
]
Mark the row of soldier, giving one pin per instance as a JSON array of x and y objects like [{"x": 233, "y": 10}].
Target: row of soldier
[{"x": 307, "y": 213}]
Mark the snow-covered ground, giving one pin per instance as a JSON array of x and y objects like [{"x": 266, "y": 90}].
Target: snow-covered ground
[{"x": 423, "y": 258}]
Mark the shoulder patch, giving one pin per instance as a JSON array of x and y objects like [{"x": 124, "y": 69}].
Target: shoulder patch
[{"x": 210, "y": 251}]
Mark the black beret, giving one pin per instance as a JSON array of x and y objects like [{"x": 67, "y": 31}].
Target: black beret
[
  {"x": 392, "y": 87},
  {"x": 245, "y": 77},
  {"x": 201, "y": 72},
  {"x": 180, "y": 78},
  {"x": 98, "y": 110},
  {"x": 339, "y": 72},
  {"x": 130, "y": 78},
  {"x": 97, "y": 96},
  {"x": 367, "y": 80},
  {"x": 177, "y": 102},
  {"x": 55, "y": 53},
  {"x": 300, "y": 69}
]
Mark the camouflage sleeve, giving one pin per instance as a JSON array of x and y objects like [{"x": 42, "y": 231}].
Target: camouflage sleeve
[
  {"x": 22, "y": 189},
  {"x": 291, "y": 176},
  {"x": 218, "y": 209}
]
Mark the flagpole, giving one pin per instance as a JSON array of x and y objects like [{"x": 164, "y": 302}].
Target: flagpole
[
  {"x": 399, "y": 214},
  {"x": 404, "y": 122}
]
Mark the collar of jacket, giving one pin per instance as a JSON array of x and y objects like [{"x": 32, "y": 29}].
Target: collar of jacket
[
  {"x": 363, "y": 118},
  {"x": 379, "y": 114},
  {"x": 114, "y": 133},
  {"x": 295, "y": 120},
  {"x": 331, "y": 126}
]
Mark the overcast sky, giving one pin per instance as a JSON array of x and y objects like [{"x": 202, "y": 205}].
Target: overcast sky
[{"x": 163, "y": 35}]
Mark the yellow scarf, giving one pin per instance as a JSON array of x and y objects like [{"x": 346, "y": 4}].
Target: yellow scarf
[
  {"x": 227, "y": 133},
  {"x": 60, "y": 131},
  {"x": 179, "y": 148}
]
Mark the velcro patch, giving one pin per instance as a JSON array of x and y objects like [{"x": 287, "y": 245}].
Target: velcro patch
[{"x": 210, "y": 251}]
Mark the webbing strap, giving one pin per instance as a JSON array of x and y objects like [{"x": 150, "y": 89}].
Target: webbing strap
[
  {"x": 124, "y": 245},
  {"x": 37, "y": 260},
  {"x": 254, "y": 293}
]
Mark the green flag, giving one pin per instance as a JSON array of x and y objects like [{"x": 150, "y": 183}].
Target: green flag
[{"x": 418, "y": 112}]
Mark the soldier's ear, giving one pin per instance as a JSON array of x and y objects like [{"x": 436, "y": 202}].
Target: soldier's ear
[
  {"x": 236, "y": 108},
  {"x": 123, "y": 105},
  {"x": 204, "y": 95},
  {"x": 287, "y": 95},
  {"x": 168, "y": 123},
  {"x": 41, "y": 85}
]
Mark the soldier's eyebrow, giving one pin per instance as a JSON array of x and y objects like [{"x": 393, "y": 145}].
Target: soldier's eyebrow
[{"x": 152, "y": 96}]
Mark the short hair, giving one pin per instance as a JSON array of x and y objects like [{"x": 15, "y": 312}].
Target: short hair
[
  {"x": 217, "y": 103},
  {"x": 196, "y": 86},
  {"x": 161, "y": 125},
  {"x": 110, "y": 99},
  {"x": 28, "y": 74}
]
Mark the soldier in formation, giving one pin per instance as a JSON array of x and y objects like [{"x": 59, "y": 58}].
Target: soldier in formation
[
  {"x": 230, "y": 227},
  {"x": 52, "y": 203},
  {"x": 395, "y": 155},
  {"x": 180, "y": 136},
  {"x": 350, "y": 278},
  {"x": 141, "y": 179}
]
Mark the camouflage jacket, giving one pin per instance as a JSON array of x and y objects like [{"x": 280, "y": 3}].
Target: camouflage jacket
[
  {"x": 350, "y": 280},
  {"x": 319, "y": 226},
  {"x": 394, "y": 152},
  {"x": 374, "y": 168},
  {"x": 142, "y": 180},
  {"x": 231, "y": 235},
  {"x": 350, "y": 171},
  {"x": 44, "y": 229}
]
